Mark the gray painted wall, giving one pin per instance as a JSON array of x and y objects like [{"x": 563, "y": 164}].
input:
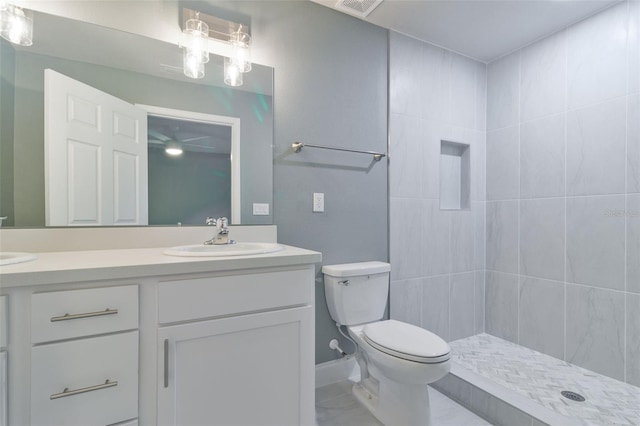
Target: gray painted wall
[
  {"x": 28, "y": 148},
  {"x": 330, "y": 88},
  {"x": 563, "y": 195},
  {"x": 7, "y": 67}
]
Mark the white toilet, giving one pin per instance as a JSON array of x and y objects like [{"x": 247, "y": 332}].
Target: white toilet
[{"x": 397, "y": 360}]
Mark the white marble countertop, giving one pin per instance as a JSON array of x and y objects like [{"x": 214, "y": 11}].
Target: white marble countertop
[{"x": 97, "y": 265}]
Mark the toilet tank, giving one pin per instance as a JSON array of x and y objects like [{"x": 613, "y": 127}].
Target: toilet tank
[{"x": 356, "y": 292}]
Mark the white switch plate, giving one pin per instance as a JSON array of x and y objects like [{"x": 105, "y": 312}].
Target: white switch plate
[
  {"x": 318, "y": 202},
  {"x": 261, "y": 209}
]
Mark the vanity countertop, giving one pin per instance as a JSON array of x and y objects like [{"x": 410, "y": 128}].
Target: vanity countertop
[{"x": 98, "y": 265}]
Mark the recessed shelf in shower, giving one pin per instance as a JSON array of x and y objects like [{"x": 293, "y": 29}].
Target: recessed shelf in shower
[{"x": 455, "y": 176}]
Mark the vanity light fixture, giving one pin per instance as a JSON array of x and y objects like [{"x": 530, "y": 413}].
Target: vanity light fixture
[
  {"x": 196, "y": 49},
  {"x": 198, "y": 28},
  {"x": 16, "y": 24}
]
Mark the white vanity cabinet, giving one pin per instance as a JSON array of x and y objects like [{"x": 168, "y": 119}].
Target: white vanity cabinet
[
  {"x": 128, "y": 337},
  {"x": 252, "y": 364}
]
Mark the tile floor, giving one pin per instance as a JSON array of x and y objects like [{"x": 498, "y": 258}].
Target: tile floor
[{"x": 336, "y": 406}]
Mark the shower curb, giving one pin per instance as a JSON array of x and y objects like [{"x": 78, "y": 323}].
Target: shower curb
[{"x": 495, "y": 403}]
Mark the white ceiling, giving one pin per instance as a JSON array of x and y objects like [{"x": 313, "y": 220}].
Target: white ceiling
[{"x": 481, "y": 29}]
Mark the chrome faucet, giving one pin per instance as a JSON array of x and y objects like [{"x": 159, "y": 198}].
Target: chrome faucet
[{"x": 222, "y": 231}]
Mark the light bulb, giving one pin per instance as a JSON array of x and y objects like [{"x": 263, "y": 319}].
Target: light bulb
[
  {"x": 16, "y": 25},
  {"x": 241, "y": 53},
  {"x": 232, "y": 74},
  {"x": 192, "y": 66},
  {"x": 173, "y": 151},
  {"x": 197, "y": 38}
]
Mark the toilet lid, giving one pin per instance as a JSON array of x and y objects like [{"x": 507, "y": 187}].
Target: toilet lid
[{"x": 406, "y": 341}]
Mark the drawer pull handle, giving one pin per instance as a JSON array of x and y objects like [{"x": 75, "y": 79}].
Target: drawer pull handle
[
  {"x": 67, "y": 317},
  {"x": 66, "y": 392}
]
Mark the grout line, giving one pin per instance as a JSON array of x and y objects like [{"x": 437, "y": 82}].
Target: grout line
[
  {"x": 566, "y": 143},
  {"x": 484, "y": 226},
  {"x": 519, "y": 186},
  {"x": 626, "y": 200},
  {"x": 618, "y": 194},
  {"x": 590, "y": 286},
  {"x": 566, "y": 111}
]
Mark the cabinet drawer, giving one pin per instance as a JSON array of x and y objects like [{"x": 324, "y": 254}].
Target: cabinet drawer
[
  {"x": 225, "y": 295},
  {"x": 4, "y": 322},
  {"x": 82, "y": 368},
  {"x": 75, "y": 313}
]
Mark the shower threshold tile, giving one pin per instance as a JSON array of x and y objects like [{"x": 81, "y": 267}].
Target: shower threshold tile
[{"x": 541, "y": 378}]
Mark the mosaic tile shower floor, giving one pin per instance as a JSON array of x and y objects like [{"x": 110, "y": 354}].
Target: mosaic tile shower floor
[{"x": 541, "y": 378}]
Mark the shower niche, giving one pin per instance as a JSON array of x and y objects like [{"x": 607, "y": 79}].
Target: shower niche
[{"x": 455, "y": 176}]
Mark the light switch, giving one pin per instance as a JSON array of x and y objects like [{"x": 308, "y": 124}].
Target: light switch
[
  {"x": 318, "y": 202},
  {"x": 261, "y": 209}
]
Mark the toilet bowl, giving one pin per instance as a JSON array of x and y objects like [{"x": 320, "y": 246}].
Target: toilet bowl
[{"x": 397, "y": 360}]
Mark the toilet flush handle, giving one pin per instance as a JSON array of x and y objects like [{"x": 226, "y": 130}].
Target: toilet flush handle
[{"x": 345, "y": 282}]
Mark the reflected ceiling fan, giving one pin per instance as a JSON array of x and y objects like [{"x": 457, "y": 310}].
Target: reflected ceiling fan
[{"x": 173, "y": 145}]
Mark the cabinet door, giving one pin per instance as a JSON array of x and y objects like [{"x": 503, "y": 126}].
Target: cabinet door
[
  {"x": 255, "y": 369},
  {"x": 3, "y": 388}
]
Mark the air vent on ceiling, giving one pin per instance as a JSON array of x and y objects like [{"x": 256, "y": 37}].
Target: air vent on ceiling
[{"x": 359, "y": 8}]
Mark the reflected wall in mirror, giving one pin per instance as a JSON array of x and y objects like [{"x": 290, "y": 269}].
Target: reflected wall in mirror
[
  {"x": 137, "y": 70},
  {"x": 199, "y": 151}
]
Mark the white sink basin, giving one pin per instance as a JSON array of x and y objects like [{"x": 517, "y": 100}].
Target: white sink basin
[
  {"x": 237, "y": 249},
  {"x": 7, "y": 258}
]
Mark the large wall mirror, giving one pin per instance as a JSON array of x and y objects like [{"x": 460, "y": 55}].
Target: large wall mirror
[{"x": 226, "y": 134}]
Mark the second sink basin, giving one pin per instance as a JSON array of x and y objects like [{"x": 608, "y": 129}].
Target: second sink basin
[
  {"x": 8, "y": 258},
  {"x": 237, "y": 249}
]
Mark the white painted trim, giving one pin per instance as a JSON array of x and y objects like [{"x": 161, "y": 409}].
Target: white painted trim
[
  {"x": 234, "y": 123},
  {"x": 337, "y": 370}
]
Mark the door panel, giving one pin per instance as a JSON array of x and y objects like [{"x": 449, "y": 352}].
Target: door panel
[
  {"x": 126, "y": 175},
  {"x": 108, "y": 188},
  {"x": 84, "y": 183}
]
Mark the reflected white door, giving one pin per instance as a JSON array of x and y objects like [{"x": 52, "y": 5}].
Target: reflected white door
[{"x": 95, "y": 156}]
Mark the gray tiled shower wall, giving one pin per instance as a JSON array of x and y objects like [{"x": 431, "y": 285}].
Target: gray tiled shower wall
[
  {"x": 563, "y": 195},
  {"x": 548, "y": 255},
  {"x": 437, "y": 256}
]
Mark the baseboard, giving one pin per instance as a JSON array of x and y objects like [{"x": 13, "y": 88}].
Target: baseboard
[{"x": 337, "y": 370}]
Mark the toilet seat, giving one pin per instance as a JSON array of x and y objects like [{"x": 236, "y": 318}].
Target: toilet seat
[{"x": 406, "y": 341}]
